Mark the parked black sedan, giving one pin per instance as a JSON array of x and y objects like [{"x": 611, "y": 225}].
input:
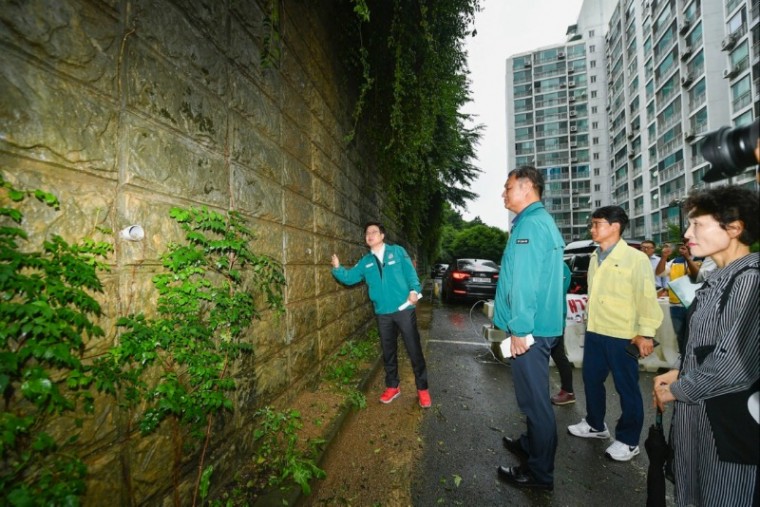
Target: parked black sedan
[{"x": 470, "y": 279}]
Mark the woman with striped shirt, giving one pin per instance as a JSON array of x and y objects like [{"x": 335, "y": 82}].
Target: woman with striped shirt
[{"x": 715, "y": 391}]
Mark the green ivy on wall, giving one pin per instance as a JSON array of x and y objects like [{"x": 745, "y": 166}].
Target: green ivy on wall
[
  {"x": 411, "y": 71},
  {"x": 175, "y": 366},
  {"x": 46, "y": 313},
  {"x": 172, "y": 366}
]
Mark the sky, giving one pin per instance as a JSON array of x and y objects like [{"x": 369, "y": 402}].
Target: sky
[{"x": 504, "y": 27}]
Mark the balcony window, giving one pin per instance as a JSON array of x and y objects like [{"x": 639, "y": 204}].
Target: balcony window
[
  {"x": 521, "y": 62},
  {"x": 697, "y": 94},
  {"x": 741, "y": 94},
  {"x": 698, "y": 122},
  {"x": 524, "y": 148},
  {"x": 694, "y": 39},
  {"x": 522, "y": 105},
  {"x": 663, "y": 18},
  {"x": 692, "y": 11},
  {"x": 743, "y": 119},
  {"x": 667, "y": 64},
  {"x": 665, "y": 42},
  {"x": 737, "y": 25},
  {"x": 523, "y": 119},
  {"x": 523, "y": 134},
  {"x": 739, "y": 57}
]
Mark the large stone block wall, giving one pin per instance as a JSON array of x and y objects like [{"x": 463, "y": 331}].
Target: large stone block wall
[{"x": 125, "y": 108}]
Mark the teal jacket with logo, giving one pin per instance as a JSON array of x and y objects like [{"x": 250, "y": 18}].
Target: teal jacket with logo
[
  {"x": 530, "y": 293},
  {"x": 389, "y": 284}
]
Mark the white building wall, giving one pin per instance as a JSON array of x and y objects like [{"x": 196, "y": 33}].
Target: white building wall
[{"x": 639, "y": 118}]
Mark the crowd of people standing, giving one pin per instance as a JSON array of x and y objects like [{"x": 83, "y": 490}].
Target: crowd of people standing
[{"x": 713, "y": 386}]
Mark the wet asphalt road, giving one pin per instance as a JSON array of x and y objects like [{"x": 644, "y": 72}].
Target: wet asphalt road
[{"x": 474, "y": 406}]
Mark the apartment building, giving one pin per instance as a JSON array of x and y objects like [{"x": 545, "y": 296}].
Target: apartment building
[
  {"x": 556, "y": 119},
  {"x": 615, "y": 114}
]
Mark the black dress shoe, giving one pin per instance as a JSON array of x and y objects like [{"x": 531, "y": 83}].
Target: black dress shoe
[
  {"x": 513, "y": 446},
  {"x": 522, "y": 478}
]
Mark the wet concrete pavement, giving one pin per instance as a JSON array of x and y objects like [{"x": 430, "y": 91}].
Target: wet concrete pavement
[{"x": 474, "y": 406}]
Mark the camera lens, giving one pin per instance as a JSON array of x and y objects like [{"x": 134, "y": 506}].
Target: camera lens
[{"x": 730, "y": 150}]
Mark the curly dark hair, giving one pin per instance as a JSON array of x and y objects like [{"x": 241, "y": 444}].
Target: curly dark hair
[{"x": 727, "y": 204}]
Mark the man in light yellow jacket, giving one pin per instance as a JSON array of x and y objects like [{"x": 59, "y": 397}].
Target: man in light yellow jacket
[{"x": 622, "y": 312}]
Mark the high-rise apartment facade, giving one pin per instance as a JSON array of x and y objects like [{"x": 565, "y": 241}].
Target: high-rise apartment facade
[
  {"x": 556, "y": 119},
  {"x": 669, "y": 72}
]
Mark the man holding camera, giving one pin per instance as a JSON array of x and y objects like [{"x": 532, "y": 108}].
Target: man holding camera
[{"x": 683, "y": 265}]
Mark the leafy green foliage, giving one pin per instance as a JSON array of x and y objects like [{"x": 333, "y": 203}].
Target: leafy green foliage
[
  {"x": 480, "y": 241},
  {"x": 356, "y": 399},
  {"x": 176, "y": 365},
  {"x": 460, "y": 238},
  {"x": 343, "y": 367},
  {"x": 279, "y": 457},
  {"x": 412, "y": 78},
  {"x": 46, "y": 312}
]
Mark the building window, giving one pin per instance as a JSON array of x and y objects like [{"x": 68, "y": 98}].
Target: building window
[
  {"x": 744, "y": 119},
  {"x": 594, "y": 109},
  {"x": 741, "y": 93},
  {"x": 594, "y": 124},
  {"x": 592, "y": 64},
  {"x": 590, "y": 33},
  {"x": 596, "y": 156},
  {"x": 597, "y": 188},
  {"x": 597, "y": 204},
  {"x": 594, "y": 140},
  {"x": 593, "y": 79},
  {"x": 596, "y": 171},
  {"x": 593, "y": 94},
  {"x": 591, "y": 48}
]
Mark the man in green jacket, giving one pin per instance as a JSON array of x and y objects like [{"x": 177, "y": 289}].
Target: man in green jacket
[
  {"x": 529, "y": 306},
  {"x": 393, "y": 289}
]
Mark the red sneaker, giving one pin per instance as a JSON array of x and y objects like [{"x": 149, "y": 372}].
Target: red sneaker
[
  {"x": 424, "y": 396},
  {"x": 390, "y": 394},
  {"x": 563, "y": 398}
]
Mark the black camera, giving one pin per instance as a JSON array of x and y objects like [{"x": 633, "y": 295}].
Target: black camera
[{"x": 730, "y": 150}]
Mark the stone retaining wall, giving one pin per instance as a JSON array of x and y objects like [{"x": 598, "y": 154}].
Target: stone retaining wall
[{"x": 125, "y": 108}]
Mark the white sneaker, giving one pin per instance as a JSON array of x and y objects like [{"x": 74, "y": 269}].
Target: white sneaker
[
  {"x": 583, "y": 430},
  {"x": 621, "y": 452}
]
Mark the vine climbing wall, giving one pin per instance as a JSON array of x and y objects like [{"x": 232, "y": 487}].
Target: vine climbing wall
[{"x": 127, "y": 108}]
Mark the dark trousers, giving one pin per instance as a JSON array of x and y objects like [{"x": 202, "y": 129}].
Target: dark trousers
[
  {"x": 678, "y": 318},
  {"x": 602, "y": 355},
  {"x": 389, "y": 325},
  {"x": 530, "y": 373},
  {"x": 564, "y": 366}
]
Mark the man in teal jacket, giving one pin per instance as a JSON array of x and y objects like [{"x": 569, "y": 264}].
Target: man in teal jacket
[
  {"x": 393, "y": 289},
  {"x": 529, "y": 305}
]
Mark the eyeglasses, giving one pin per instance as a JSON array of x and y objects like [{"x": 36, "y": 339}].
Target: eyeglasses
[
  {"x": 647, "y": 247},
  {"x": 371, "y": 233},
  {"x": 597, "y": 224}
]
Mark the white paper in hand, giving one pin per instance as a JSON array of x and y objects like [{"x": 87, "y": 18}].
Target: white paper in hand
[
  {"x": 684, "y": 289},
  {"x": 506, "y": 345},
  {"x": 407, "y": 304}
]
